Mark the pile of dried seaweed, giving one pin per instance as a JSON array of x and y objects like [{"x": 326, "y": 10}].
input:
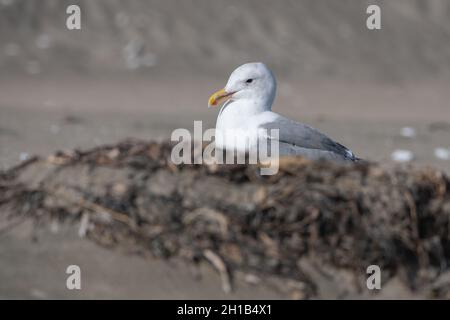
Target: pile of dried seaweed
[{"x": 350, "y": 217}]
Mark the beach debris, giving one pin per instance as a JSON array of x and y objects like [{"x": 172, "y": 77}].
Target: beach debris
[
  {"x": 347, "y": 217},
  {"x": 38, "y": 294},
  {"x": 402, "y": 155},
  {"x": 252, "y": 279},
  {"x": 84, "y": 224},
  {"x": 23, "y": 156},
  {"x": 442, "y": 153},
  {"x": 408, "y": 132},
  {"x": 218, "y": 263}
]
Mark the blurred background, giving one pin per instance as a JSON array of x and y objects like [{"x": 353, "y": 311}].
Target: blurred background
[{"x": 143, "y": 68}]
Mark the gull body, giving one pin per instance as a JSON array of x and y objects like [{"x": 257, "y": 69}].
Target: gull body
[{"x": 247, "y": 112}]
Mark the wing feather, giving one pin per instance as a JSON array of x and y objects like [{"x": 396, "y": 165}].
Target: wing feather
[{"x": 303, "y": 136}]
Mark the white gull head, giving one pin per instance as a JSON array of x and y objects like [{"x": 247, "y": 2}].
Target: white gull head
[{"x": 253, "y": 82}]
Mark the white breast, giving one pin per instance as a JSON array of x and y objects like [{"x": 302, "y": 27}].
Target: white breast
[{"x": 237, "y": 126}]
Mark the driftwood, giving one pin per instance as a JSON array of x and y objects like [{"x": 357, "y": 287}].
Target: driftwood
[{"x": 348, "y": 217}]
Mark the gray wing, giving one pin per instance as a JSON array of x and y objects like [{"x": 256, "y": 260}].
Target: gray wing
[{"x": 308, "y": 140}]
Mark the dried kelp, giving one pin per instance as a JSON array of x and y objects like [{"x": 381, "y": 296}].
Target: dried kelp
[{"x": 350, "y": 217}]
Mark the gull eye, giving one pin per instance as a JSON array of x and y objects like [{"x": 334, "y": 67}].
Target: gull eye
[{"x": 249, "y": 81}]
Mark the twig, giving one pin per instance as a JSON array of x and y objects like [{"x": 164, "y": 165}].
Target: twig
[
  {"x": 423, "y": 259},
  {"x": 218, "y": 263},
  {"x": 84, "y": 225},
  {"x": 93, "y": 207},
  {"x": 22, "y": 165}
]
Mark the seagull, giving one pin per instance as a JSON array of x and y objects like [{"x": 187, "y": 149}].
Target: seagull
[{"x": 247, "y": 108}]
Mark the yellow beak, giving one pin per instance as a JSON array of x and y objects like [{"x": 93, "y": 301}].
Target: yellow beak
[{"x": 219, "y": 97}]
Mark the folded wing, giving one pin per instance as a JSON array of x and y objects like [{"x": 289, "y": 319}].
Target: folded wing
[{"x": 307, "y": 140}]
